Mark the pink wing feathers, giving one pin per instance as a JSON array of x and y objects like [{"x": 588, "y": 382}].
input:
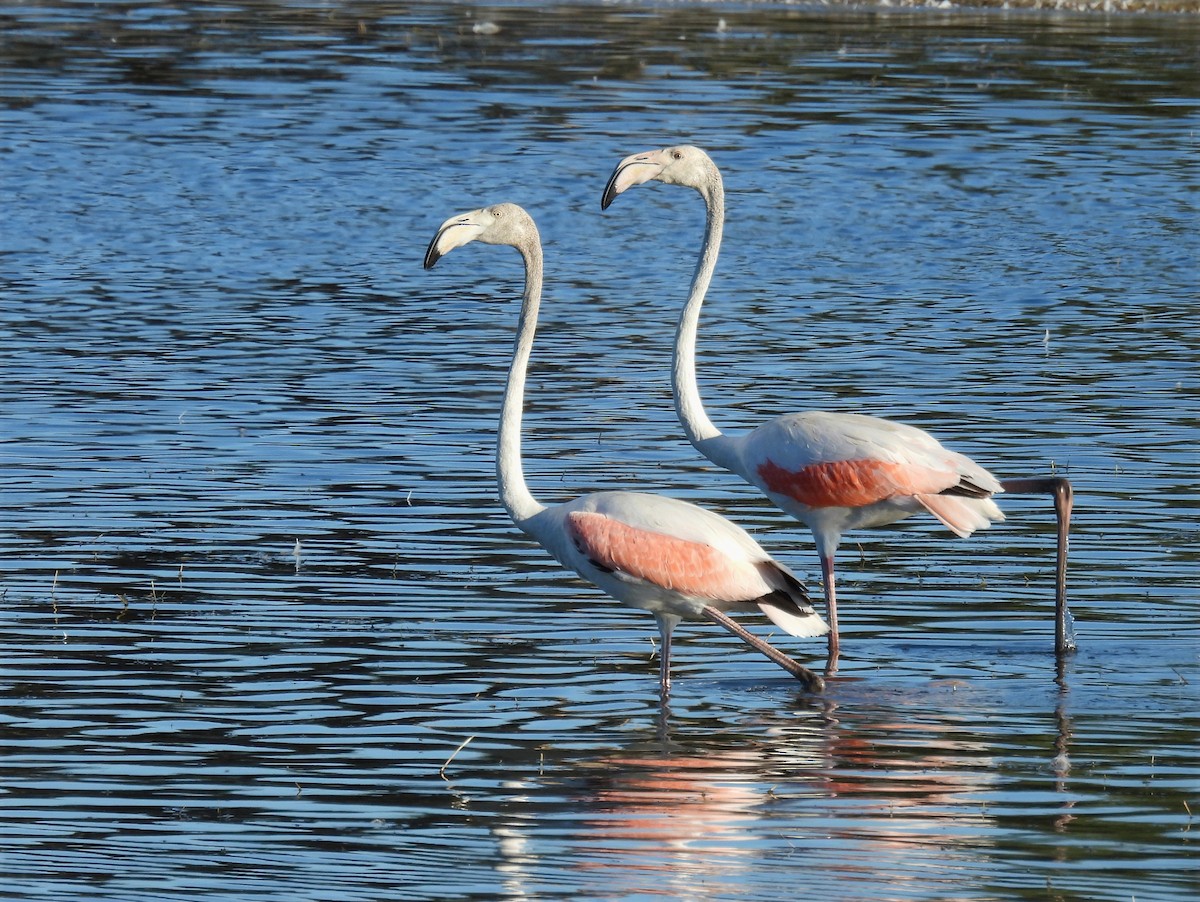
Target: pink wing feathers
[
  {"x": 708, "y": 559},
  {"x": 853, "y": 483},
  {"x": 824, "y": 460},
  {"x": 690, "y": 568}
]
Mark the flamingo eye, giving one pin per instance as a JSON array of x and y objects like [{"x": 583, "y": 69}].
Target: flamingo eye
[{"x": 677, "y": 155}]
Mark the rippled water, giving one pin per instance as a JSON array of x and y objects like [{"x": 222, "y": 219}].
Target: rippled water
[{"x": 256, "y": 585}]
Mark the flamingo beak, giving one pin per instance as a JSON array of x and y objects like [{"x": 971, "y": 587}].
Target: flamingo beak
[
  {"x": 633, "y": 170},
  {"x": 454, "y": 232}
]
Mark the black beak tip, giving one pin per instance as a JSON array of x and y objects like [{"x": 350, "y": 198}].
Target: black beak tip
[
  {"x": 431, "y": 257},
  {"x": 608, "y": 197}
]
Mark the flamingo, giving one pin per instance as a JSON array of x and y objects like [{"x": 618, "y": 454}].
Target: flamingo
[
  {"x": 832, "y": 471},
  {"x": 662, "y": 555}
]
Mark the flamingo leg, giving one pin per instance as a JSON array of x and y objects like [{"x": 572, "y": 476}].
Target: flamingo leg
[
  {"x": 665, "y": 627},
  {"x": 831, "y": 618},
  {"x": 1064, "y": 503},
  {"x": 811, "y": 681}
]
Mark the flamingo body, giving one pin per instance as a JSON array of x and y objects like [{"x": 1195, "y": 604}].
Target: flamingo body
[
  {"x": 672, "y": 558},
  {"x": 659, "y": 554},
  {"x": 833, "y": 471},
  {"x": 836, "y": 472}
]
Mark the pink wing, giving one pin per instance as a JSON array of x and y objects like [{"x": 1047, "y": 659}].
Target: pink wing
[
  {"x": 853, "y": 483},
  {"x": 823, "y": 460},
  {"x": 690, "y": 568}
]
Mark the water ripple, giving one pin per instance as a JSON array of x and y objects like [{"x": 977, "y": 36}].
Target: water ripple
[{"x": 265, "y": 628}]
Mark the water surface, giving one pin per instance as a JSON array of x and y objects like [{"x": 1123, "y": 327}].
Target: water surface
[{"x": 257, "y": 588}]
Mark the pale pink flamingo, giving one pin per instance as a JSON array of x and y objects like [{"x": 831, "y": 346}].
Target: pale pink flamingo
[
  {"x": 832, "y": 471},
  {"x": 666, "y": 556}
]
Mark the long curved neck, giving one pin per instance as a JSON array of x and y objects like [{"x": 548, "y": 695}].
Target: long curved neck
[
  {"x": 514, "y": 493},
  {"x": 701, "y": 432}
]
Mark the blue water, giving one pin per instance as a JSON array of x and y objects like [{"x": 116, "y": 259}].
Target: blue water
[{"x": 255, "y": 583}]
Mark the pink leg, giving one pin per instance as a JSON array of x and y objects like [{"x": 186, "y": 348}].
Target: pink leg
[
  {"x": 830, "y": 610},
  {"x": 664, "y": 655},
  {"x": 811, "y": 681}
]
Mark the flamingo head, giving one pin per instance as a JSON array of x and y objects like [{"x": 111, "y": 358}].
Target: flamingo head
[
  {"x": 680, "y": 165},
  {"x": 497, "y": 224}
]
